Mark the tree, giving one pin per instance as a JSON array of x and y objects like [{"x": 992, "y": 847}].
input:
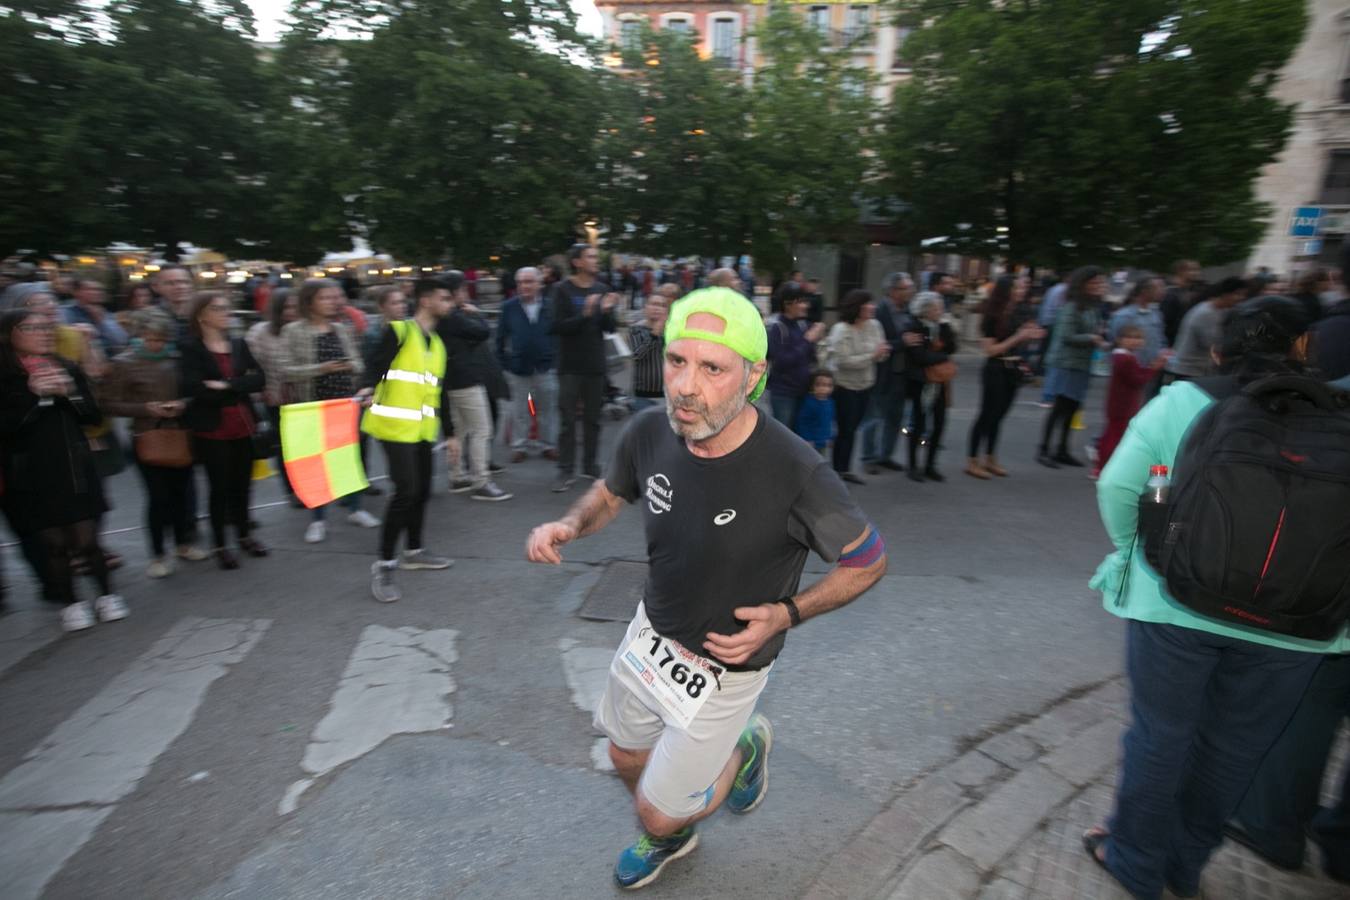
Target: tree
[
  {"x": 809, "y": 147},
  {"x": 472, "y": 133},
  {"x": 1063, "y": 132}
]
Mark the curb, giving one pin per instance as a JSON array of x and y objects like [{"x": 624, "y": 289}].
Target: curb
[{"x": 945, "y": 835}]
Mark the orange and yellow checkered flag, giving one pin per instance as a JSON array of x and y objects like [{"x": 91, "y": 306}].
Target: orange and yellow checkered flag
[{"x": 319, "y": 445}]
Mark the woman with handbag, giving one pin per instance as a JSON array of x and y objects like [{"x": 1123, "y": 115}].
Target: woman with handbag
[
  {"x": 322, "y": 362},
  {"x": 1006, "y": 325},
  {"x": 855, "y": 345},
  {"x": 143, "y": 386},
  {"x": 1077, "y": 333},
  {"x": 218, "y": 373},
  {"x": 268, "y": 348},
  {"x": 52, "y": 489},
  {"x": 929, "y": 371}
]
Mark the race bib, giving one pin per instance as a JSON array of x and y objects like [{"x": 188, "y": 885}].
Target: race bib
[{"x": 680, "y": 681}]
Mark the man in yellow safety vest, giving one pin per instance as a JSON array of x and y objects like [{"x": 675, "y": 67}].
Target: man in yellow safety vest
[{"x": 405, "y": 403}]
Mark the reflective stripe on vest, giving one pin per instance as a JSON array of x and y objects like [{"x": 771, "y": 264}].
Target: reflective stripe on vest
[{"x": 407, "y": 399}]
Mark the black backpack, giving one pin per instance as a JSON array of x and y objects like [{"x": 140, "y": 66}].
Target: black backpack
[{"x": 1256, "y": 530}]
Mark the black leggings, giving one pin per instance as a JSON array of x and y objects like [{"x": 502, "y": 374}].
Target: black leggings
[
  {"x": 919, "y": 422},
  {"x": 229, "y": 473},
  {"x": 410, "y": 471},
  {"x": 849, "y": 409},
  {"x": 64, "y": 545},
  {"x": 999, "y": 382},
  {"x": 1061, "y": 416},
  {"x": 166, "y": 504}
]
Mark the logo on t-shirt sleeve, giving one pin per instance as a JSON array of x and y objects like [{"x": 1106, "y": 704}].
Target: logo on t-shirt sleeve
[{"x": 659, "y": 493}]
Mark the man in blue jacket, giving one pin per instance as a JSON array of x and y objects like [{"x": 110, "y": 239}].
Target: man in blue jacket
[{"x": 526, "y": 349}]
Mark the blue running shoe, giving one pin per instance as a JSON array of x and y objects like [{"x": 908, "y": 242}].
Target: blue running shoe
[
  {"x": 752, "y": 780},
  {"x": 641, "y": 863}
]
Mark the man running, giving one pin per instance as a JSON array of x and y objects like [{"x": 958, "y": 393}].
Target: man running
[{"x": 732, "y": 503}]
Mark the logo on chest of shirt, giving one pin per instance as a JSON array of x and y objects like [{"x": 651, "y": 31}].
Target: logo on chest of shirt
[{"x": 659, "y": 493}]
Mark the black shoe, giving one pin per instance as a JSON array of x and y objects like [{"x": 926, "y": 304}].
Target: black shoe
[
  {"x": 592, "y": 474},
  {"x": 296, "y": 502},
  {"x": 914, "y": 475},
  {"x": 254, "y": 524},
  {"x": 892, "y": 465},
  {"x": 933, "y": 474},
  {"x": 252, "y": 547},
  {"x": 872, "y": 468},
  {"x": 851, "y": 478},
  {"x": 1046, "y": 460},
  {"x": 496, "y": 469},
  {"x": 1064, "y": 458},
  {"x": 374, "y": 490},
  {"x": 225, "y": 559}
]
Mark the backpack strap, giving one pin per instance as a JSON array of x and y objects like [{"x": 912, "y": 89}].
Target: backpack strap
[
  {"x": 1310, "y": 389},
  {"x": 1219, "y": 387}
]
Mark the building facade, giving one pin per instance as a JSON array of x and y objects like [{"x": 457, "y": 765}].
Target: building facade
[
  {"x": 1313, "y": 172},
  {"x": 724, "y": 32}
]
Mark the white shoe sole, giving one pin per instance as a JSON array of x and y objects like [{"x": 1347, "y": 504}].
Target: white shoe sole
[{"x": 656, "y": 873}]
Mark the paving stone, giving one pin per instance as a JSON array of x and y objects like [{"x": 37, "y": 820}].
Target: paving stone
[
  {"x": 1065, "y": 720},
  {"x": 1113, "y": 698},
  {"x": 1003, "y": 889},
  {"x": 890, "y": 840},
  {"x": 1010, "y": 748},
  {"x": 974, "y": 770},
  {"x": 941, "y": 874},
  {"x": 989, "y": 830},
  {"x": 1088, "y": 756}
]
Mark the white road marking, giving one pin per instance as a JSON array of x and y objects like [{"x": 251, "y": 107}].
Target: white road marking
[
  {"x": 52, "y": 802},
  {"x": 397, "y": 682},
  {"x": 586, "y": 670}
]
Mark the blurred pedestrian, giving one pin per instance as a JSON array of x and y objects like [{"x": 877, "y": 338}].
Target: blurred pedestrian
[
  {"x": 1201, "y": 330},
  {"x": 816, "y": 417},
  {"x": 322, "y": 362},
  {"x": 142, "y": 385},
  {"x": 218, "y": 374},
  {"x": 1178, "y": 298},
  {"x": 792, "y": 352},
  {"x": 855, "y": 345},
  {"x": 880, "y": 429},
  {"x": 929, "y": 369},
  {"x": 1076, "y": 335},
  {"x": 1125, "y": 394},
  {"x": 136, "y": 296},
  {"x": 469, "y": 371},
  {"x": 1311, "y": 287},
  {"x": 173, "y": 285},
  {"x": 648, "y": 343},
  {"x": 90, "y": 307},
  {"x": 1331, "y": 342},
  {"x": 527, "y": 351},
  {"x": 269, "y": 349},
  {"x": 1007, "y": 326},
  {"x": 1140, "y": 310},
  {"x": 52, "y": 489}
]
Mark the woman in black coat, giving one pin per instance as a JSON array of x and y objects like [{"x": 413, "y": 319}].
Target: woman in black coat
[
  {"x": 937, "y": 345},
  {"x": 218, "y": 375},
  {"x": 52, "y": 490}
]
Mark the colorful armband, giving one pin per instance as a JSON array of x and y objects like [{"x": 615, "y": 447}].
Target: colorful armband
[{"x": 866, "y": 553}]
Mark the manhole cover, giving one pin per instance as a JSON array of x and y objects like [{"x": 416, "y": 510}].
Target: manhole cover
[{"x": 615, "y": 597}]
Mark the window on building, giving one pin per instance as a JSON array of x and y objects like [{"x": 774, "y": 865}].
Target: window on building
[
  {"x": 902, "y": 60},
  {"x": 630, "y": 33},
  {"x": 858, "y": 25},
  {"x": 724, "y": 41},
  {"x": 818, "y": 17},
  {"x": 1336, "y": 187},
  {"x": 680, "y": 26}
]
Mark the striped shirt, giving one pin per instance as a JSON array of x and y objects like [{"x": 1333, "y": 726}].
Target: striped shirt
[{"x": 648, "y": 350}]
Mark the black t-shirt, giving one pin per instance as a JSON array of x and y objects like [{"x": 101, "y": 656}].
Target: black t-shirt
[
  {"x": 1000, "y": 328},
  {"x": 581, "y": 337},
  {"x": 731, "y": 531}
]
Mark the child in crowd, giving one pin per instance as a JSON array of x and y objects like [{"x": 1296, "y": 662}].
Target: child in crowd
[
  {"x": 1125, "y": 396},
  {"x": 815, "y": 418}
]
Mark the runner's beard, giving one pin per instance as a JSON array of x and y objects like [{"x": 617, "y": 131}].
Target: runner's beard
[{"x": 714, "y": 419}]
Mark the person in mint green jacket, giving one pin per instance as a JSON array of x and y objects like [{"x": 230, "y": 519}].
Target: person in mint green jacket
[{"x": 1208, "y": 698}]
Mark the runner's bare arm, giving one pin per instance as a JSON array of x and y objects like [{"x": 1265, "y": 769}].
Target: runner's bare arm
[
  {"x": 596, "y": 509},
  {"x": 861, "y": 565}
]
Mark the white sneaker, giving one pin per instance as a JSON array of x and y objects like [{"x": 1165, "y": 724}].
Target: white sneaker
[
  {"x": 364, "y": 519},
  {"x": 77, "y": 616},
  {"x": 316, "y": 532},
  {"x": 110, "y": 608},
  {"x": 158, "y": 568},
  {"x": 192, "y": 554}
]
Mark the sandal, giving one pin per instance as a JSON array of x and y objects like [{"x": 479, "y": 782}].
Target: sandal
[{"x": 1093, "y": 840}]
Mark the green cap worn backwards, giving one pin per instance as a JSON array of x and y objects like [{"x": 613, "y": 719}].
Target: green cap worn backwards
[{"x": 744, "y": 331}]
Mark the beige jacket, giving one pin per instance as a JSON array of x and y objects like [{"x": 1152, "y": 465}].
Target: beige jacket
[
  {"x": 851, "y": 353},
  {"x": 299, "y": 342}
]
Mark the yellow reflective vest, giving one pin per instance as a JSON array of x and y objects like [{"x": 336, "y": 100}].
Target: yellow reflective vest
[{"x": 408, "y": 398}]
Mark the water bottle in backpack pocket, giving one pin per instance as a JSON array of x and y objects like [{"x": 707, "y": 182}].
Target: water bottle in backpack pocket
[{"x": 1256, "y": 527}]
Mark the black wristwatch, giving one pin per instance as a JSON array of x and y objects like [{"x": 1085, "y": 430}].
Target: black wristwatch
[{"x": 794, "y": 614}]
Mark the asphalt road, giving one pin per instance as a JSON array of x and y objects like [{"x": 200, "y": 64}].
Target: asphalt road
[{"x": 273, "y": 732}]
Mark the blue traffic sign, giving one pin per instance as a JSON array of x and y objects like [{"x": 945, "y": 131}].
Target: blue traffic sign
[{"x": 1305, "y": 221}]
